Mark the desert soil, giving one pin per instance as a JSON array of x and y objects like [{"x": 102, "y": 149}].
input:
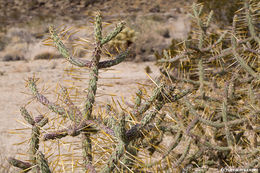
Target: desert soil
[{"x": 121, "y": 80}]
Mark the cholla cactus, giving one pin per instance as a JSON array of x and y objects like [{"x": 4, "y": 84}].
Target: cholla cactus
[
  {"x": 215, "y": 49},
  {"x": 198, "y": 117},
  {"x": 124, "y": 39},
  {"x": 113, "y": 137},
  {"x": 222, "y": 115}
]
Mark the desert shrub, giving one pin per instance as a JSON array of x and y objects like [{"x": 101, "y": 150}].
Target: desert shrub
[
  {"x": 201, "y": 112},
  {"x": 224, "y": 10},
  {"x": 224, "y": 67},
  {"x": 124, "y": 39}
]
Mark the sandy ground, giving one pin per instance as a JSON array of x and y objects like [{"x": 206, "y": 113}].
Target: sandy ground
[{"x": 125, "y": 79}]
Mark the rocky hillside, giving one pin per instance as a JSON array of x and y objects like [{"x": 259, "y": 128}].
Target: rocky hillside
[
  {"x": 25, "y": 24},
  {"x": 155, "y": 23},
  {"x": 15, "y": 12}
]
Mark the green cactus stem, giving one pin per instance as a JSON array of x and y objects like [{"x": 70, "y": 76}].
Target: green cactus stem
[
  {"x": 143, "y": 108},
  {"x": 135, "y": 130},
  {"x": 25, "y": 166},
  {"x": 184, "y": 154},
  {"x": 249, "y": 21},
  {"x": 241, "y": 61},
  {"x": 42, "y": 163},
  {"x": 36, "y": 123},
  {"x": 138, "y": 99},
  {"x": 43, "y": 100},
  {"x": 120, "y": 149},
  {"x": 176, "y": 142},
  {"x": 224, "y": 116},
  {"x": 94, "y": 65},
  {"x": 114, "y": 33},
  {"x": 87, "y": 126}
]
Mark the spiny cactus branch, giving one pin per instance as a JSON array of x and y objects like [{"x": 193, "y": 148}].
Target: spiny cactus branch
[
  {"x": 198, "y": 118},
  {"x": 207, "y": 144},
  {"x": 136, "y": 130},
  {"x": 27, "y": 116},
  {"x": 116, "y": 155},
  {"x": 138, "y": 99},
  {"x": 87, "y": 125},
  {"x": 44, "y": 101},
  {"x": 87, "y": 150},
  {"x": 36, "y": 123},
  {"x": 120, "y": 149},
  {"x": 76, "y": 113},
  {"x": 176, "y": 142},
  {"x": 56, "y": 135},
  {"x": 249, "y": 21},
  {"x": 42, "y": 122},
  {"x": 201, "y": 78},
  {"x": 25, "y": 166},
  {"x": 202, "y": 28},
  {"x": 209, "y": 48},
  {"x": 98, "y": 28},
  {"x": 92, "y": 87},
  {"x": 224, "y": 116},
  {"x": 143, "y": 108},
  {"x": 241, "y": 61},
  {"x": 114, "y": 33},
  {"x": 35, "y": 139},
  {"x": 223, "y": 53},
  {"x": 184, "y": 154},
  {"x": 86, "y": 63},
  {"x": 119, "y": 58},
  {"x": 34, "y": 144},
  {"x": 42, "y": 162},
  {"x": 121, "y": 129}
]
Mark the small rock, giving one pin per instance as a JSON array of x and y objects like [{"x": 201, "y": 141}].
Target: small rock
[
  {"x": 149, "y": 58},
  {"x": 10, "y": 57},
  {"x": 47, "y": 55},
  {"x": 166, "y": 33},
  {"x": 148, "y": 69},
  {"x": 155, "y": 9},
  {"x": 2, "y": 73},
  {"x": 131, "y": 9},
  {"x": 3, "y": 42}
]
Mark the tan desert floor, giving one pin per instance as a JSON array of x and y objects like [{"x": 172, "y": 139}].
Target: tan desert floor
[{"x": 51, "y": 72}]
